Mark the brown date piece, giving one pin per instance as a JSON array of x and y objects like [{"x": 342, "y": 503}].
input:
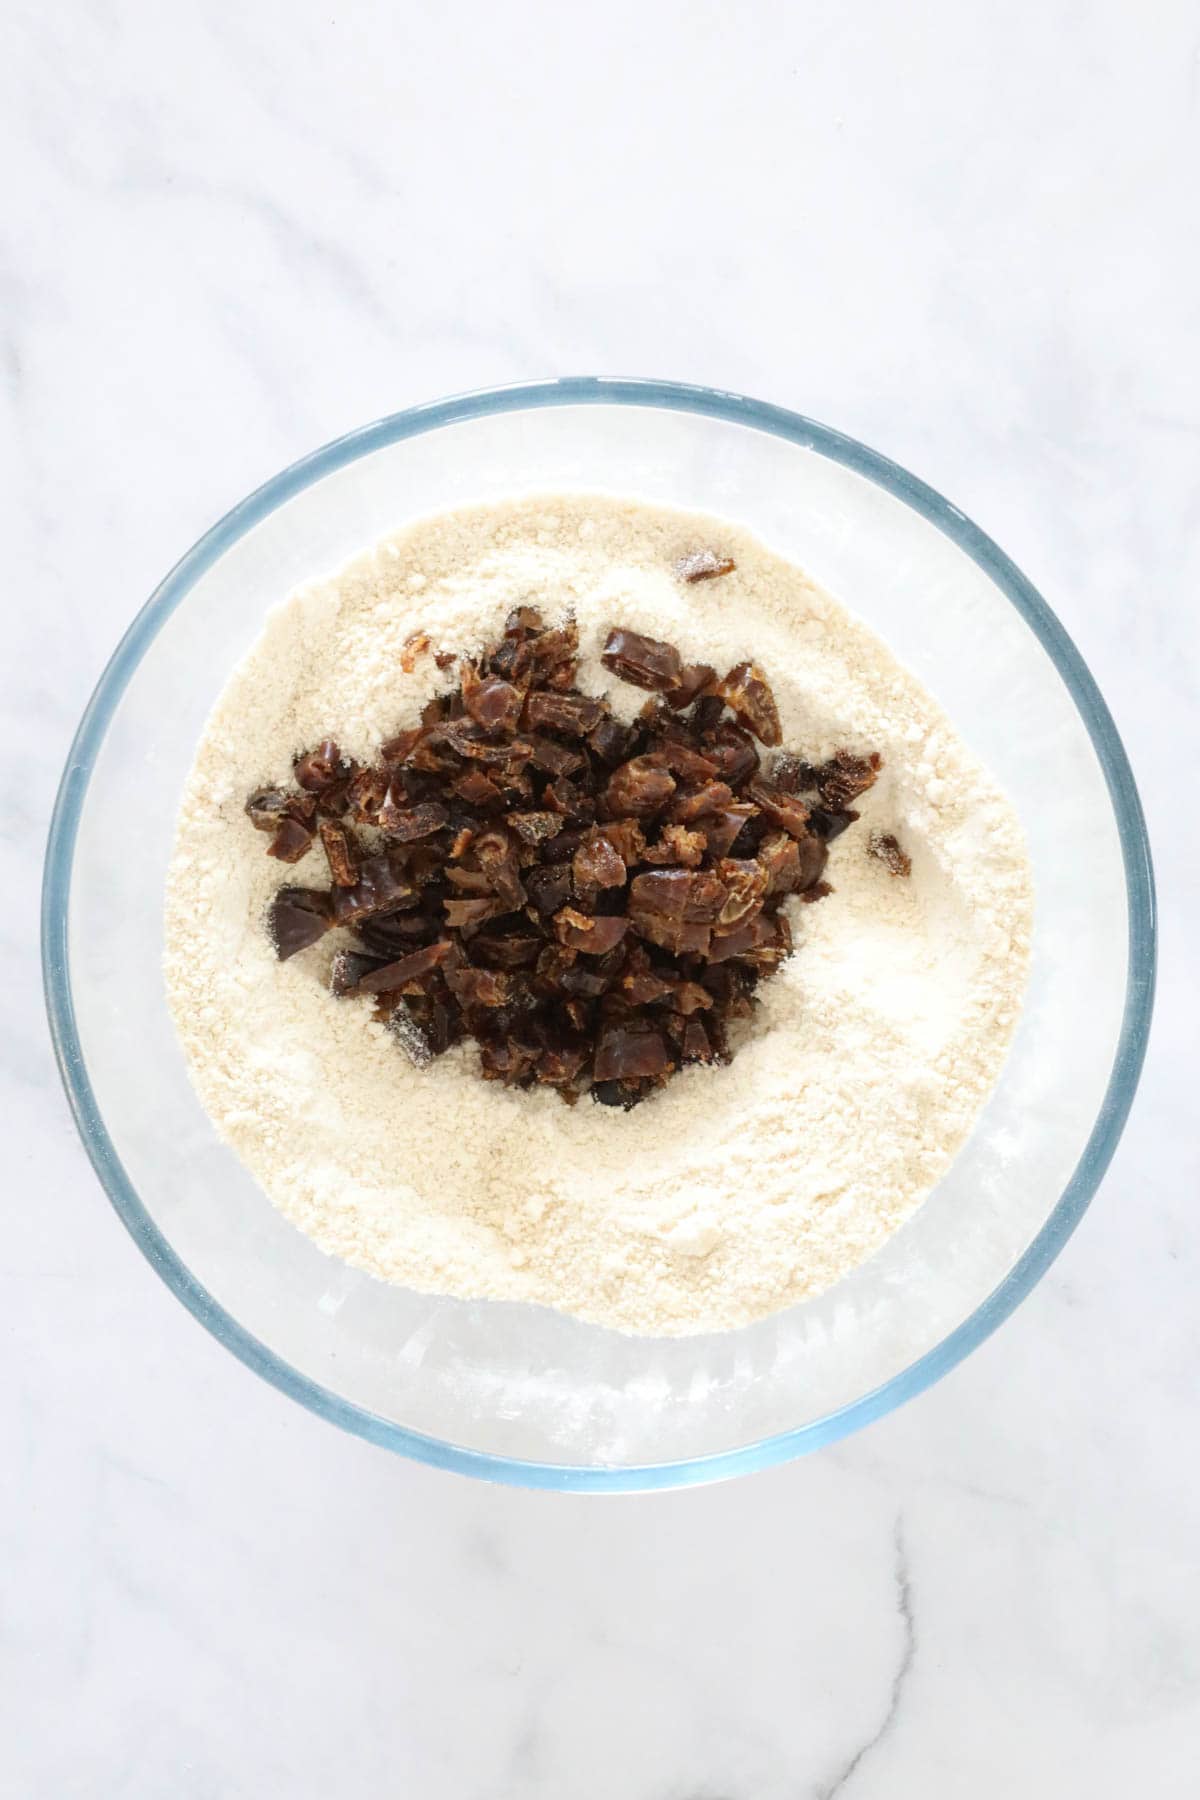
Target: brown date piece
[
  {"x": 746, "y": 692},
  {"x": 396, "y": 976},
  {"x": 886, "y": 848},
  {"x": 341, "y": 853},
  {"x": 598, "y": 863},
  {"x": 638, "y": 789},
  {"x": 703, "y": 565},
  {"x": 267, "y": 808},
  {"x": 624, "y": 1053},
  {"x": 646, "y": 662},
  {"x": 292, "y": 840},
  {"x": 844, "y": 777},
  {"x": 296, "y": 918},
  {"x": 318, "y": 768},
  {"x": 693, "y": 679}
]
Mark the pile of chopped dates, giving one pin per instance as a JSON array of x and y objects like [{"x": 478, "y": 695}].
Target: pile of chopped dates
[{"x": 594, "y": 903}]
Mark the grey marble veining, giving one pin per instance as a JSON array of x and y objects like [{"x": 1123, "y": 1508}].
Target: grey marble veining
[{"x": 963, "y": 234}]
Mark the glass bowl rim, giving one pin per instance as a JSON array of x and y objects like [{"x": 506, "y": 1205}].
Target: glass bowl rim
[{"x": 807, "y": 433}]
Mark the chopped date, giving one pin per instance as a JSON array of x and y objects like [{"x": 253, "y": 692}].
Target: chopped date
[
  {"x": 477, "y": 789},
  {"x": 535, "y": 827},
  {"x": 494, "y": 704},
  {"x": 624, "y": 1052},
  {"x": 296, "y": 918},
  {"x": 830, "y": 825},
  {"x": 468, "y": 881},
  {"x": 397, "y": 976},
  {"x": 746, "y": 692},
  {"x": 694, "y": 678},
  {"x": 407, "y": 823},
  {"x": 489, "y": 988},
  {"x": 379, "y": 888},
  {"x": 638, "y": 789},
  {"x": 732, "y": 749},
  {"x": 318, "y": 768},
  {"x": 625, "y": 1094},
  {"x": 609, "y": 741},
  {"x": 347, "y": 970},
  {"x": 844, "y": 777},
  {"x": 462, "y": 915},
  {"x": 292, "y": 840},
  {"x": 560, "y": 1065},
  {"x": 597, "y": 863},
  {"x": 781, "y": 809},
  {"x": 646, "y": 662},
  {"x": 341, "y": 853},
  {"x": 267, "y": 808},
  {"x": 813, "y": 853},
  {"x": 554, "y": 759},
  {"x": 594, "y": 936},
  {"x": 365, "y": 795},
  {"x": 679, "y": 845},
  {"x": 627, "y": 839},
  {"x": 643, "y": 985},
  {"x": 692, "y": 803},
  {"x": 706, "y": 715},
  {"x": 413, "y": 648},
  {"x": 507, "y": 1061},
  {"x": 703, "y": 565},
  {"x": 572, "y": 714},
  {"x": 583, "y": 981},
  {"x": 388, "y": 935},
  {"x": 397, "y": 750},
  {"x": 722, "y": 829},
  {"x": 505, "y": 952},
  {"x": 684, "y": 761},
  {"x": 592, "y": 903},
  {"x": 886, "y": 848},
  {"x": 549, "y": 888}
]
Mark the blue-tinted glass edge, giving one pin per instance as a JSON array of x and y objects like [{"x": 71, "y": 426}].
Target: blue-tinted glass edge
[{"x": 794, "y": 427}]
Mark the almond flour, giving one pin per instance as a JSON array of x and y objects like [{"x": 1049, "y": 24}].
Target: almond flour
[{"x": 735, "y": 1191}]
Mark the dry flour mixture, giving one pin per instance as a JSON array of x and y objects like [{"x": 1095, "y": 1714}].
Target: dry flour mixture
[{"x": 734, "y": 1192}]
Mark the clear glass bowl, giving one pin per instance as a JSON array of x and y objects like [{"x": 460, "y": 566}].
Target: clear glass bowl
[{"x": 518, "y": 1393}]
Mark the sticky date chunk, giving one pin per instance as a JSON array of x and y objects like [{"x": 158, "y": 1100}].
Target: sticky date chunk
[
  {"x": 645, "y": 661},
  {"x": 595, "y": 937},
  {"x": 319, "y": 768},
  {"x": 886, "y": 848},
  {"x": 572, "y": 714},
  {"x": 267, "y": 809},
  {"x": 694, "y": 678},
  {"x": 379, "y": 888},
  {"x": 296, "y": 918},
  {"x": 592, "y": 903},
  {"x": 341, "y": 852},
  {"x": 292, "y": 840},
  {"x": 626, "y": 1053},
  {"x": 347, "y": 970},
  {"x": 638, "y": 789},
  {"x": 493, "y": 703},
  {"x": 396, "y": 977},
  {"x": 406, "y": 824},
  {"x": 845, "y": 777},
  {"x": 746, "y": 692},
  {"x": 703, "y": 565},
  {"x": 597, "y": 863}
]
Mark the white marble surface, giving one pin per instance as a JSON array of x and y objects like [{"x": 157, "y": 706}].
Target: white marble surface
[{"x": 965, "y": 234}]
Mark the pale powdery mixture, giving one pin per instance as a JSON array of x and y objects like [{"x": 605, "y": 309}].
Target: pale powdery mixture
[{"x": 733, "y": 1192}]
